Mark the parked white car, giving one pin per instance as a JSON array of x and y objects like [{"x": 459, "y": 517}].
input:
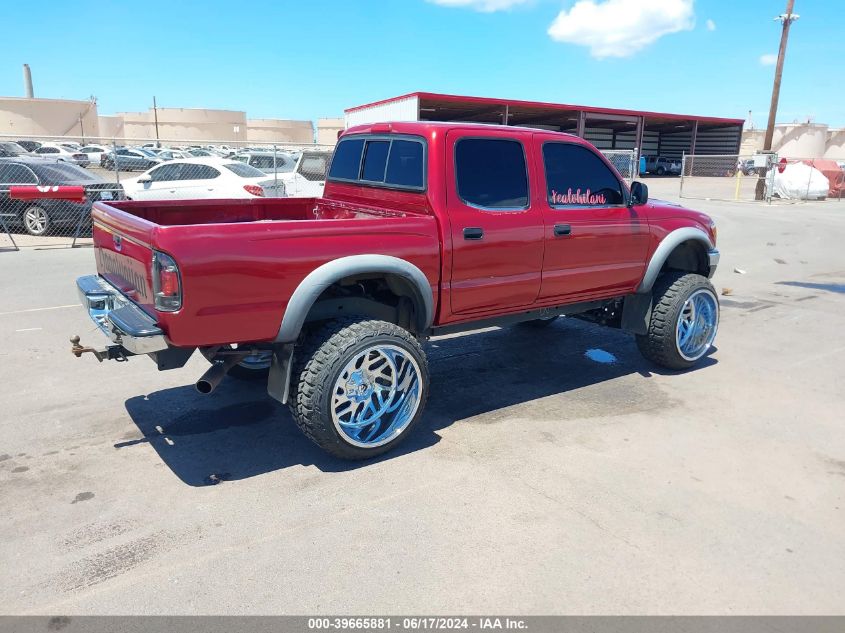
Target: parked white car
[
  {"x": 63, "y": 154},
  {"x": 304, "y": 176},
  {"x": 171, "y": 154},
  {"x": 71, "y": 145},
  {"x": 94, "y": 153},
  {"x": 202, "y": 178}
]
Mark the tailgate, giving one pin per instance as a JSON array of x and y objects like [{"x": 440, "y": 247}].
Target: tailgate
[{"x": 123, "y": 249}]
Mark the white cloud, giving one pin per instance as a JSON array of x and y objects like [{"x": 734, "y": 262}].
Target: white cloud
[
  {"x": 485, "y": 6},
  {"x": 711, "y": 25},
  {"x": 620, "y": 28},
  {"x": 769, "y": 59}
]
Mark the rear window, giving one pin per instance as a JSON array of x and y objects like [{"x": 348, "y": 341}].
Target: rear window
[
  {"x": 243, "y": 170},
  {"x": 347, "y": 159},
  {"x": 375, "y": 160},
  {"x": 396, "y": 162},
  {"x": 491, "y": 173}
]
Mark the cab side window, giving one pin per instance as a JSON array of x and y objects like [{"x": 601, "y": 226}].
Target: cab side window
[
  {"x": 491, "y": 173},
  {"x": 576, "y": 177}
]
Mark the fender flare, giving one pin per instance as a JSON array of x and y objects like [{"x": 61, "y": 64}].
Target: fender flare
[
  {"x": 306, "y": 294},
  {"x": 665, "y": 248}
]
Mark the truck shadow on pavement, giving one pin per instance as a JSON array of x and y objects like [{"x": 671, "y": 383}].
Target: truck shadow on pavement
[{"x": 239, "y": 432}]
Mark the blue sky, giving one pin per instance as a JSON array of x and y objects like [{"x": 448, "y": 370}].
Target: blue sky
[{"x": 313, "y": 58}]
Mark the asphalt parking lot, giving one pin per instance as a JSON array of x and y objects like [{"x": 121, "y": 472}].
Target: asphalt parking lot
[{"x": 555, "y": 471}]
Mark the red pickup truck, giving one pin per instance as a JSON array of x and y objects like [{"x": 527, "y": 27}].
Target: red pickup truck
[{"x": 423, "y": 229}]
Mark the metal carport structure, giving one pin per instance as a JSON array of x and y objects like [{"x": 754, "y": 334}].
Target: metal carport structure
[{"x": 659, "y": 133}]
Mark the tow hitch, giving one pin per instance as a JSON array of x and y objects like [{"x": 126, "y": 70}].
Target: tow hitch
[{"x": 109, "y": 352}]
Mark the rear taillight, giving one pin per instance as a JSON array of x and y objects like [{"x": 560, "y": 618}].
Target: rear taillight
[
  {"x": 255, "y": 190},
  {"x": 167, "y": 285}
]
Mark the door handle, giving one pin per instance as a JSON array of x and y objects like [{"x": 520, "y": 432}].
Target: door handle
[
  {"x": 562, "y": 229},
  {"x": 473, "y": 233}
]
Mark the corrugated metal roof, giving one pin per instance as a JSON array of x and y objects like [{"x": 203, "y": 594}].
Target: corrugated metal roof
[{"x": 487, "y": 101}]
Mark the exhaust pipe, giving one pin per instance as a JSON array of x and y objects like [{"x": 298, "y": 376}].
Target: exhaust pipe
[{"x": 219, "y": 368}]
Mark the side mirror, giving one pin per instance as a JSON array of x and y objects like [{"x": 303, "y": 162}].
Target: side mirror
[
  {"x": 145, "y": 179},
  {"x": 639, "y": 193}
]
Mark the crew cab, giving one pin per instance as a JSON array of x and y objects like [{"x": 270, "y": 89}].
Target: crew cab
[{"x": 424, "y": 229}]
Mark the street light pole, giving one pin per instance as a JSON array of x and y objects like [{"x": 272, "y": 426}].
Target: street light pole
[{"x": 786, "y": 19}]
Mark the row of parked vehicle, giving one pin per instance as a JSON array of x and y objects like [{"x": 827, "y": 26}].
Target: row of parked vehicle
[
  {"x": 185, "y": 174},
  {"x": 168, "y": 173}
]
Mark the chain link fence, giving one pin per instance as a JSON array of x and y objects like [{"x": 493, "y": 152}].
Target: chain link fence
[
  {"x": 624, "y": 160},
  {"x": 748, "y": 178},
  {"x": 139, "y": 169}
]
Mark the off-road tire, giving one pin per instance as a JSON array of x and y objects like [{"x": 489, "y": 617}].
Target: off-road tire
[
  {"x": 321, "y": 356},
  {"x": 670, "y": 292}
]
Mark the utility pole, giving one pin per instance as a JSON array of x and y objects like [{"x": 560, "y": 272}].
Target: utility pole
[
  {"x": 785, "y": 19},
  {"x": 81, "y": 129},
  {"x": 155, "y": 117}
]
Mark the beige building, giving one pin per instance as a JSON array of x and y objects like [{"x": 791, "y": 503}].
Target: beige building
[
  {"x": 328, "y": 129},
  {"x": 21, "y": 116},
  {"x": 279, "y": 130},
  {"x": 184, "y": 124},
  {"x": 204, "y": 125}
]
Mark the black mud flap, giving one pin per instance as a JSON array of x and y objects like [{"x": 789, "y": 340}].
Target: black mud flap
[
  {"x": 278, "y": 382},
  {"x": 636, "y": 313}
]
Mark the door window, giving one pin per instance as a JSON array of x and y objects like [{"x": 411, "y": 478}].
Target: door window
[
  {"x": 12, "y": 174},
  {"x": 198, "y": 172},
  {"x": 491, "y": 173},
  {"x": 576, "y": 177},
  {"x": 166, "y": 173}
]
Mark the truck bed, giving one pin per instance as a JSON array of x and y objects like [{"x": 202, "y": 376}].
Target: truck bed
[
  {"x": 185, "y": 212},
  {"x": 240, "y": 260}
]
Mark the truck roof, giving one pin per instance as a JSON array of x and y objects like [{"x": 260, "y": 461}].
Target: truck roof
[{"x": 427, "y": 128}]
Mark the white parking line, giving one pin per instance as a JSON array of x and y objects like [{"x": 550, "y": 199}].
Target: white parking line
[
  {"x": 71, "y": 305},
  {"x": 29, "y": 329}
]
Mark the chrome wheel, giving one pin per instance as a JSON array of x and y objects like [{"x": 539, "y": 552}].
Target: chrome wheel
[
  {"x": 35, "y": 220},
  {"x": 697, "y": 324},
  {"x": 376, "y": 396}
]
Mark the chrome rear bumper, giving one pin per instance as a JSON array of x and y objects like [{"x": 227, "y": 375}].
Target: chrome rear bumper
[{"x": 123, "y": 322}]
